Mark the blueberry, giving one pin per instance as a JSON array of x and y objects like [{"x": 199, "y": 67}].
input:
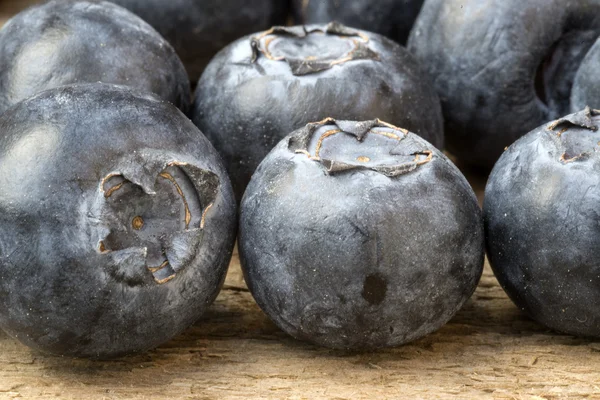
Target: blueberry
[
  {"x": 64, "y": 42},
  {"x": 391, "y": 18},
  {"x": 586, "y": 85},
  {"x": 117, "y": 221},
  {"x": 502, "y": 67},
  {"x": 541, "y": 212},
  {"x": 359, "y": 235},
  {"x": 264, "y": 86},
  {"x": 198, "y": 29}
]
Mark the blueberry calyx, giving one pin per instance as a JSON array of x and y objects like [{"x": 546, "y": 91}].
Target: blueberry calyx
[
  {"x": 149, "y": 219},
  {"x": 348, "y": 145},
  {"x": 580, "y": 146},
  {"x": 581, "y": 119},
  {"x": 301, "y": 61}
]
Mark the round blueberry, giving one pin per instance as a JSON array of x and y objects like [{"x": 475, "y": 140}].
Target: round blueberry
[
  {"x": 359, "y": 235},
  {"x": 542, "y": 214},
  {"x": 63, "y": 42},
  {"x": 117, "y": 221},
  {"x": 501, "y": 67},
  {"x": 264, "y": 86}
]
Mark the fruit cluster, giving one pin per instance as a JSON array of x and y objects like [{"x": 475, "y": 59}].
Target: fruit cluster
[{"x": 119, "y": 188}]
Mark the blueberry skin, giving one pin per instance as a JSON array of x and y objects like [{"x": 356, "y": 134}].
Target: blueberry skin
[
  {"x": 117, "y": 221},
  {"x": 198, "y": 29},
  {"x": 501, "y": 67},
  {"x": 245, "y": 103},
  {"x": 391, "y": 18},
  {"x": 541, "y": 213},
  {"x": 64, "y": 42},
  {"x": 586, "y": 87},
  {"x": 355, "y": 257}
]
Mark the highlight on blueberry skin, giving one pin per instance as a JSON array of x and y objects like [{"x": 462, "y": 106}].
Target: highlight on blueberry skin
[
  {"x": 358, "y": 235},
  {"x": 391, "y": 18},
  {"x": 117, "y": 221},
  {"x": 64, "y": 42},
  {"x": 198, "y": 29},
  {"x": 505, "y": 67},
  {"x": 541, "y": 210},
  {"x": 264, "y": 86}
]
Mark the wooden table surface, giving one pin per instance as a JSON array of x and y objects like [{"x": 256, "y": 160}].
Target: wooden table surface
[{"x": 489, "y": 350}]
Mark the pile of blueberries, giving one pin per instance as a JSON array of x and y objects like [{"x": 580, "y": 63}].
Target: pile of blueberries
[{"x": 121, "y": 192}]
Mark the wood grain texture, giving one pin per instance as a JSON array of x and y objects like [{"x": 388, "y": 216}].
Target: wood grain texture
[{"x": 489, "y": 350}]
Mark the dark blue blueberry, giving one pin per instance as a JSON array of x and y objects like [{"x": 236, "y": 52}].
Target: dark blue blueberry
[
  {"x": 359, "y": 235},
  {"x": 117, "y": 221},
  {"x": 502, "y": 67},
  {"x": 542, "y": 221}
]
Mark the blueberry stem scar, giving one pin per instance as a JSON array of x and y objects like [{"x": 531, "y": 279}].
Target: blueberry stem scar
[
  {"x": 137, "y": 223},
  {"x": 312, "y": 64},
  {"x": 336, "y": 131},
  {"x": 299, "y": 144}
]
